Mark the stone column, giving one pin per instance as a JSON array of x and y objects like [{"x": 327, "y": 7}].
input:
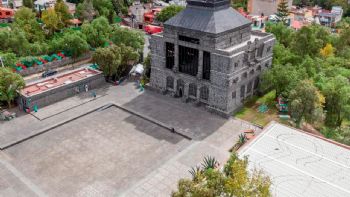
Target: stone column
[
  {"x": 176, "y": 58},
  {"x": 185, "y": 92},
  {"x": 198, "y": 93},
  {"x": 200, "y": 65}
]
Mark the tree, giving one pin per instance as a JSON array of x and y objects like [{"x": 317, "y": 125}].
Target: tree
[
  {"x": 306, "y": 102},
  {"x": 51, "y": 20},
  {"x": 115, "y": 60},
  {"x": 308, "y": 42},
  {"x": 129, "y": 55},
  {"x": 98, "y": 32},
  {"x": 283, "y": 34},
  {"x": 25, "y": 20},
  {"x": 343, "y": 42},
  {"x": 169, "y": 12},
  {"x": 282, "y": 11},
  {"x": 337, "y": 93},
  {"x": 4, "y": 37},
  {"x": 74, "y": 43},
  {"x": 121, "y": 7},
  {"x": 327, "y": 51},
  {"x": 28, "y": 3},
  {"x": 128, "y": 37},
  {"x": 282, "y": 79},
  {"x": 283, "y": 55},
  {"x": 104, "y": 8},
  {"x": 9, "y": 59},
  {"x": 10, "y": 83},
  {"x": 239, "y": 4},
  {"x": 63, "y": 14},
  {"x": 108, "y": 59},
  {"x": 18, "y": 42},
  {"x": 236, "y": 180},
  {"x": 85, "y": 11}
]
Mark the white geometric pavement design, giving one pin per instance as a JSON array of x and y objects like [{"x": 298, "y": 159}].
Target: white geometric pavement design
[{"x": 300, "y": 164}]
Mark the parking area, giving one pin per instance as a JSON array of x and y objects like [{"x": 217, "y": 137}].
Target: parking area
[{"x": 102, "y": 153}]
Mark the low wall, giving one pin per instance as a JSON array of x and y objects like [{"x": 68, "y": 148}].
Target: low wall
[
  {"x": 63, "y": 92},
  {"x": 53, "y": 65}
]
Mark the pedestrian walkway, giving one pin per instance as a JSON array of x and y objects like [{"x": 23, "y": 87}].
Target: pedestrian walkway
[{"x": 68, "y": 140}]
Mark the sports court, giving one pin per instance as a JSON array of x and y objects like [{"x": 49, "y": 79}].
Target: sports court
[{"x": 300, "y": 164}]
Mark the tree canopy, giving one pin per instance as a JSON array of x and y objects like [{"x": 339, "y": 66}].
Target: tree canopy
[
  {"x": 312, "y": 53},
  {"x": 85, "y": 11},
  {"x": 128, "y": 37},
  {"x": 283, "y": 11},
  {"x": 51, "y": 20},
  {"x": 25, "y": 20},
  {"x": 235, "y": 180},
  {"x": 63, "y": 14},
  {"x": 28, "y": 3},
  {"x": 115, "y": 60},
  {"x": 10, "y": 83},
  {"x": 98, "y": 32},
  {"x": 169, "y": 12}
]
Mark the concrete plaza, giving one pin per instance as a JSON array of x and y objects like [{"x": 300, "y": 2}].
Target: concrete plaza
[{"x": 88, "y": 147}]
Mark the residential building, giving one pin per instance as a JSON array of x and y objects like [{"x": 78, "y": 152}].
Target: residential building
[
  {"x": 330, "y": 18},
  {"x": 264, "y": 7}
]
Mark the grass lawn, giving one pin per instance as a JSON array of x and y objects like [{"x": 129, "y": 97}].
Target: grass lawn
[{"x": 251, "y": 114}]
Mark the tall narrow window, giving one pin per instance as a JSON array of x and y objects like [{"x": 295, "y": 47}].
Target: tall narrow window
[
  {"x": 206, "y": 65},
  {"x": 256, "y": 83},
  {"x": 170, "y": 55},
  {"x": 192, "y": 90},
  {"x": 204, "y": 93},
  {"x": 249, "y": 87},
  {"x": 242, "y": 91},
  {"x": 188, "y": 60}
]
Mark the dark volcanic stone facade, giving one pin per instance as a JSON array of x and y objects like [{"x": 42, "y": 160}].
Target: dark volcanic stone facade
[{"x": 209, "y": 54}]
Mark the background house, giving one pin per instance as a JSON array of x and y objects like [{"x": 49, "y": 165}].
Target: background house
[{"x": 266, "y": 7}]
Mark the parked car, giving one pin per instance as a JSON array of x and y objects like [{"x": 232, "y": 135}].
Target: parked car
[{"x": 49, "y": 73}]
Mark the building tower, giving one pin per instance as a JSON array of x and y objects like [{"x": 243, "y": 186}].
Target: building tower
[{"x": 208, "y": 54}]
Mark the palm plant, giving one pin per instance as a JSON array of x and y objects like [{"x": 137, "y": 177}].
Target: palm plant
[
  {"x": 209, "y": 163},
  {"x": 195, "y": 172}
]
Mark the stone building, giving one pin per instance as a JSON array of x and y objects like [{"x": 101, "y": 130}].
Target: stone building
[
  {"x": 46, "y": 91},
  {"x": 208, "y": 54}
]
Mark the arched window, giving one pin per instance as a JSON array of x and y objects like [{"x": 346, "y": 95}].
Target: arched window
[
  {"x": 192, "y": 91},
  {"x": 259, "y": 68},
  {"x": 204, "y": 93},
  {"x": 170, "y": 82},
  {"x": 251, "y": 72}
]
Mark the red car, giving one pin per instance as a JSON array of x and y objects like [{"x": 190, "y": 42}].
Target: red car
[{"x": 152, "y": 29}]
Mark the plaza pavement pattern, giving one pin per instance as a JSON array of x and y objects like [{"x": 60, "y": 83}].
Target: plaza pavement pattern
[{"x": 119, "y": 144}]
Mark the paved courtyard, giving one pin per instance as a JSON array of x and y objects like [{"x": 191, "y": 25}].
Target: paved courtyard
[{"x": 86, "y": 149}]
